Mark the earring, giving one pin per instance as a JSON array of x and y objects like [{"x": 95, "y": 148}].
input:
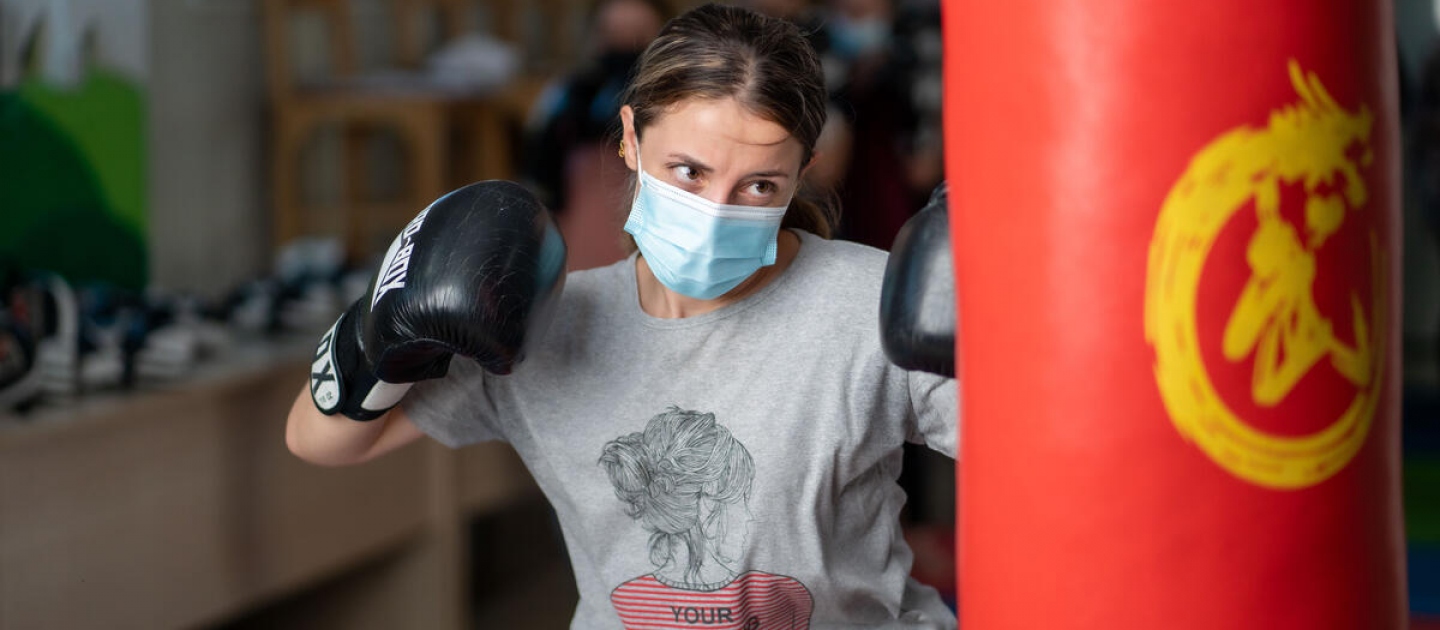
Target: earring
[{"x": 622, "y": 149}]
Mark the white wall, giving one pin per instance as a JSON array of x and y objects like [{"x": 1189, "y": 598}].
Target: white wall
[
  {"x": 121, "y": 43},
  {"x": 208, "y": 224},
  {"x": 210, "y": 205}
]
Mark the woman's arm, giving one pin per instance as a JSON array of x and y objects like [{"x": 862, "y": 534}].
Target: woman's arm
[
  {"x": 434, "y": 296},
  {"x": 339, "y": 441}
]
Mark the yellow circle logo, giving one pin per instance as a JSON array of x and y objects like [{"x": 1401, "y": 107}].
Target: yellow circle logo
[{"x": 1270, "y": 326}]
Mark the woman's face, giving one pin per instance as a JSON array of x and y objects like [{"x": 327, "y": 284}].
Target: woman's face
[{"x": 717, "y": 150}]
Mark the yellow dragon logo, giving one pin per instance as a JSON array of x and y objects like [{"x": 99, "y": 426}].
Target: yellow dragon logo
[{"x": 1275, "y": 318}]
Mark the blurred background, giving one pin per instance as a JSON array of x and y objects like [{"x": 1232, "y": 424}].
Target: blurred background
[{"x": 192, "y": 190}]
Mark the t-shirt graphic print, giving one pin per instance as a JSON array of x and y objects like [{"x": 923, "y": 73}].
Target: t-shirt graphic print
[
  {"x": 752, "y": 601},
  {"x": 687, "y": 481}
]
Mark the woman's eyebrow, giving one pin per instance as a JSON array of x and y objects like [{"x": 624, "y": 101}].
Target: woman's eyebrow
[
  {"x": 692, "y": 162},
  {"x": 703, "y": 167},
  {"x": 771, "y": 174}
]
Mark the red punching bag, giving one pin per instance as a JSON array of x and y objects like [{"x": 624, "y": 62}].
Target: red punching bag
[{"x": 1176, "y": 236}]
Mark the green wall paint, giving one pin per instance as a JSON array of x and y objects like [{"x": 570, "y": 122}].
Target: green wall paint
[{"x": 72, "y": 179}]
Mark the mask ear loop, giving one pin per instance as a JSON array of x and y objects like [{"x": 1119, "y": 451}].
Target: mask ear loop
[{"x": 639, "y": 166}]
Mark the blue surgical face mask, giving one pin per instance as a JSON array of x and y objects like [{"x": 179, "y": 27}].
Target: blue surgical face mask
[{"x": 697, "y": 247}]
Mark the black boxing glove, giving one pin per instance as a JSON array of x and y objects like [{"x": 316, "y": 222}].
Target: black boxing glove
[
  {"x": 476, "y": 273},
  {"x": 917, "y": 299}
]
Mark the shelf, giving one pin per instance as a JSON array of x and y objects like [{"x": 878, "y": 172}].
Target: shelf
[{"x": 180, "y": 507}]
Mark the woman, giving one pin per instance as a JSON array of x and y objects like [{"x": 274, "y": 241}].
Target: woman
[{"x": 735, "y": 308}]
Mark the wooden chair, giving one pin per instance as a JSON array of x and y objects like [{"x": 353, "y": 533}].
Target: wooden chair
[{"x": 449, "y": 138}]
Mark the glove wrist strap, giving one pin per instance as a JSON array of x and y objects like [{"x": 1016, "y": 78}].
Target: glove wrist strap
[{"x": 341, "y": 380}]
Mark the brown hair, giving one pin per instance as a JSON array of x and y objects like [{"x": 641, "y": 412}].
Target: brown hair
[{"x": 764, "y": 63}]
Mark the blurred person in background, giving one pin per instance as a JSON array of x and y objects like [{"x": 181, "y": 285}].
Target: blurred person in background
[
  {"x": 832, "y": 149},
  {"x": 563, "y": 155},
  {"x": 882, "y": 68},
  {"x": 580, "y": 108},
  {"x": 1423, "y": 108}
]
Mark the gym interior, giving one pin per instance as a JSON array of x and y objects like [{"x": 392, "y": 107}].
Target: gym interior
[{"x": 191, "y": 191}]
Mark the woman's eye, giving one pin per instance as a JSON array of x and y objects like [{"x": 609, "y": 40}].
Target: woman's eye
[
  {"x": 686, "y": 173},
  {"x": 762, "y": 188}
]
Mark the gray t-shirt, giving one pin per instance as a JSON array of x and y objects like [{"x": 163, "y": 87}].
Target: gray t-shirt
[{"x": 736, "y": 469}]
